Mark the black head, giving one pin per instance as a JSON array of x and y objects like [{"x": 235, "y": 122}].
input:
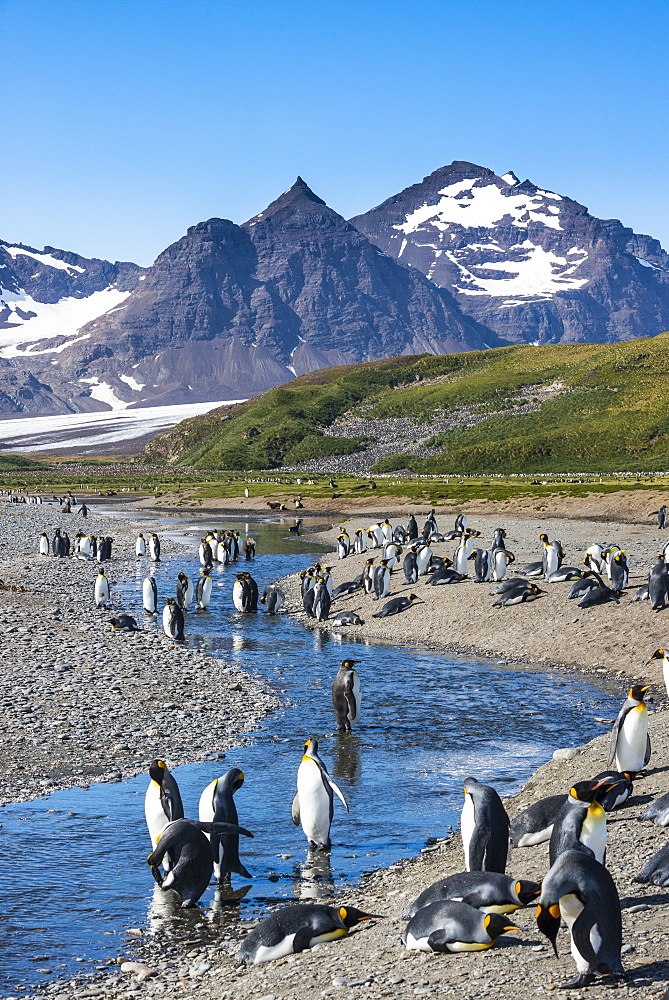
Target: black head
[
  {"x": 234, "y": 779},
  {"x": 157, "y": 771},
  {"x": 548, "y": 922},
  {"x": 527, "y": 891},
  {"x": 496, "y": 924},
  {"x": 659, "y": 654},
  {"x": 585, "y": 791},
  {"x": 349, "y": 664},
  {"x": 638, "y": 691},
  {"x": 350, "y": 916},
  {"x": 543, "y": 538}
]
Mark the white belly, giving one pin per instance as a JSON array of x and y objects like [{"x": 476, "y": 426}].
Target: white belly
[
  {"x": 467, "y": 824},
  {"x": 140, "y": 547},
  {"x": 167, "y": 624},
  {"x": 570, "y": 908},
  {"x": 314, "y": 803},
  {"x": 665, "y": 672},
  {"x": 356, "y": 696},
  {"x": 205, "y": 596},
  {"x": 101, "y": 592},
  {"x": 631, "y": 745},
  {"x": 269, "y": 953},
  {"x": 417, "y": 944},
  {"x": 148, "y": 597},
  {"x": 540, "y": 837},
  {"x": 237, "y": 591}
]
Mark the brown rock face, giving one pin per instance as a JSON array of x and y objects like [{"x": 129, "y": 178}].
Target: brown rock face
[{"x": 531, "y": 265}]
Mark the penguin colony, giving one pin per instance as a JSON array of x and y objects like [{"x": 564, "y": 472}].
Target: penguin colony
[{"x": 468, "y": 911}]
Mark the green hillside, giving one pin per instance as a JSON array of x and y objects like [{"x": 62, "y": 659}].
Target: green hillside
[
  {"x": 12, "y": 463},
  {"x": 596, "y": 408}
]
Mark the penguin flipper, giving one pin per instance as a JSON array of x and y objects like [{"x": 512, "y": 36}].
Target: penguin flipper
[
  {"x": 615, "y": 732},
  {"x": 648, "y": 751},
  {"x": 439, "y": 940},
  {"x": 335, "y": 788},
  {"x": 295, "y": 810},
  {"x": 580, "y": 933},
  {"x": 219, "y": 827}
]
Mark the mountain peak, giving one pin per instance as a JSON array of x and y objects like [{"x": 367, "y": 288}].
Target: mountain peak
[{"x": 299, "y": 195}]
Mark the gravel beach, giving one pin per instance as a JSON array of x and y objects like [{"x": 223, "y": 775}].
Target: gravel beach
[
  {"x": 188, "y": 958},
  {"x": 82, "y": 702}
]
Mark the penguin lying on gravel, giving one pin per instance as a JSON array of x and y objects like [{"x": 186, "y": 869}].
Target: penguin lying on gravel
[
  {"x": 347, "y": 618},
  {"x": 445, "y": 576},
  {"x": 598, "y": 595},
  {"x": 397, "y": 605},
  {"x": 511, "y": 583},
  {"x": 491, "y": 892},
  {"x": 657, "y": 812},
  {"x": 580, "y": 890},
  {"x": 124, "y": 623},
  {"x": 534, "y": 825},
  {"x": 191, "y": 859},
  {"x": 448, "y": 926},
  {"x": 656, "y": 871},
  {"x": 294, "y": 928},
  {"x": 519, "y": 595},
  {"x": 588, "y": 581}
]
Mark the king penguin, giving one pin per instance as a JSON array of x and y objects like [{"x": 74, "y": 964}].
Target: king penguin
[
  {"x": 203, "y": 590},
  {"x": 581, "y": 822},
  {"x": 150, "y": 595},
  {"x": 313, "y": 804},
  {"x": 580, "y": 890},
  {"x": 663, "y": 657},
  {"x": 295, "y": 928},
  {"x": 101, "y": 590},
  {"x": 44, "y": 544},
  {"x": 162, "y": 802},
  {"x": 484, "y": 827},
  {"x": 449, "y": 926},
  {"x": 140, "y": 545},
  {"x": 154, "y": 547},
  {"x": 490, "y": 892},
  {"x": 346, "y": 696},
  {"x": 218, "y": 805},
  {"x": 173, "y": 620},
  {"x": 630, "y": 743},
  {"x": 184, "y": 591}
]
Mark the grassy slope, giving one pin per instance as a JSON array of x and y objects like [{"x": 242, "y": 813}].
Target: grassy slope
[{"x": 615, "y": 416}]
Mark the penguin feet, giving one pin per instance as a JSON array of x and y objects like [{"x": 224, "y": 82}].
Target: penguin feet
[{"x": 578, "y": 982}]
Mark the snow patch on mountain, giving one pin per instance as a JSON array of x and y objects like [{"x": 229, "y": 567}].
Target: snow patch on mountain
[
  {"x": 475, "y": 205},
  {"x": 132, "y": 382},
  {"x": 43, "y": 258},
  {"x": 25, "y": 321},
  {"x": 527, "y": 270}
]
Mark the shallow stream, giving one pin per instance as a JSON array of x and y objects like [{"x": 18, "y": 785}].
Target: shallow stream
[{"x": 75, "y": 862}]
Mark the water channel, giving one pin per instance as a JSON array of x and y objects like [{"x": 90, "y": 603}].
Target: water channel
[{"x": 79, "y": 877}]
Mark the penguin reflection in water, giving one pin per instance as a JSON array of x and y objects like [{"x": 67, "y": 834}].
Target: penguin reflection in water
[{"x": 313, "y": 804}]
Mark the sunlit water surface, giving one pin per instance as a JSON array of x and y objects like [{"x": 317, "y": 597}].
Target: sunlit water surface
[{"x": 75, "y": 869}]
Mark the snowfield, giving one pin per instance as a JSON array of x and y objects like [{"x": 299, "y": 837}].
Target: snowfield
[{"x": 109, "y": 432}]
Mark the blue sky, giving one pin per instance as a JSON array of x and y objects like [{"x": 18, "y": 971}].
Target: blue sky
[{"x": 126, "y": 121}]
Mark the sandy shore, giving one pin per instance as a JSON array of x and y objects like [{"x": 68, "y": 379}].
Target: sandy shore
[
  {"x": 616, "y": 639},
  {"x": 372, "y": 963}
]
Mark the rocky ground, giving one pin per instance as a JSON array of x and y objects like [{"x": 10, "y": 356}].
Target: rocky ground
[
  {"x": 82, "y": 702},
  {"x": 186, "y": 957}
]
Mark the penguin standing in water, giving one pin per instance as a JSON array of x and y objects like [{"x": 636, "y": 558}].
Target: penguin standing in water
[
  {"x": 191, "y": 861},
  {"x": 184, "y": 591},
  {"x": 313, "y": 804},
  {"x": 203, "y": 590},
  {"x": 273, "y": 598},
  {"x": 581, "y": 891},
  {"x": 346, "y": 696},
  {"x": 101, "y": 590},
  {"x": 663, "y": 657},
  {"x": 154, "y": 547},
  {"x": 173, "y": 620},
  {"x": 205, "y": 553},
  {"x": 485, "y": 828},
  {"x": 321, "y": 601},
  {"x": 295, "y": 928},
  {"x": 44, "y": 544},
  {"x": 150, "y": 595},
  {"x": 630, "y": 743},
  {"x": 140, "y": 545},
  {"x": 162, "y": 802},
  {"x": 218, "y": 805},
  {"x": 450, "y": 926},
  {"x": 245, "y": 593}
]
